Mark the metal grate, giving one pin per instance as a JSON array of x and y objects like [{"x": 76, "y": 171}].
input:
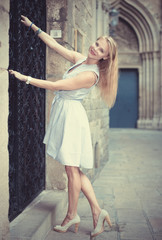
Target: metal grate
[{"x": 26, "y": 122}]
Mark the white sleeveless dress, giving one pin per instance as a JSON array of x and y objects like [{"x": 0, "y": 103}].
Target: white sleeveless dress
[{"x": 68, "y": 138}]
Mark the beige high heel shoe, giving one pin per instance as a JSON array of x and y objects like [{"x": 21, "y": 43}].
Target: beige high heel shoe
[
  {"x": 100, "y": 224},
  {"x": 63, "y": 229}
]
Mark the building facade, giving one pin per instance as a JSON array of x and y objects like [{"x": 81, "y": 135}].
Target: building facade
[{"x": 139, "y": 38}]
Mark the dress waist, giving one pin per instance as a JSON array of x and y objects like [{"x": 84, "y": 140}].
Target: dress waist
[{"x": 59, "y": 96}]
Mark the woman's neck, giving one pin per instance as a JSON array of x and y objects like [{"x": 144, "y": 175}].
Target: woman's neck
[{"x": 90, "y": 61}]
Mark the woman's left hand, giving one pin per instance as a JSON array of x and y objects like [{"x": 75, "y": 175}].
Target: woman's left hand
[
  {"x": 18, "y": 75},
  {"x": 25, "y": 21}
]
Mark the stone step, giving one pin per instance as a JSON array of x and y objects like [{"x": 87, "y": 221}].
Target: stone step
[{"x": 36, "y": 221}]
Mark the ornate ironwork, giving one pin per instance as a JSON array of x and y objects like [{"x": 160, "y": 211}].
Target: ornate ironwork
[{"x": 26, "y": 122}]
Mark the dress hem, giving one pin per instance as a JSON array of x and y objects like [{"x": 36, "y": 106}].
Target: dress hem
[{"x": 80, "y": 166}]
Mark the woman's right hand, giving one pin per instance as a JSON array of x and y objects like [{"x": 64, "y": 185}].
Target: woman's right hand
[
  {"x": 18, "y": 75},
  {"x": 25, "y": 21}
]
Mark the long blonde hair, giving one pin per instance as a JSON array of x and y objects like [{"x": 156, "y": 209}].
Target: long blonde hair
[{"x": 108, "y": 69}]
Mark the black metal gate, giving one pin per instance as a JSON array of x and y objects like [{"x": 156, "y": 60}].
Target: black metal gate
[{"x": 26, "y": 121}]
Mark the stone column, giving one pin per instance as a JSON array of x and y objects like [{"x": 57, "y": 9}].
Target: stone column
[
  {"x": 160, "y": 122},
  {"x": 94, "y": 32},
  {"x": 157, "y": 90},
  {"x": 105, "y": 18},
  {"x": 147, "y": 86},
  {"x": 140, "y": 114},
  {"x": 142, "y": 87},
  {"x": 151, "y": 86},
  {"x": 148, "y": 80},
  {"x": 4, "y": 101},
  {"x": 99, "y": 18},
  {"x": 149, "y": 98}
]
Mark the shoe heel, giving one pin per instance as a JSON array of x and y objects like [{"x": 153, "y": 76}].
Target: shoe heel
[
  {"x": 76, "y": 227},
  {"x": 107, "y": 218}
]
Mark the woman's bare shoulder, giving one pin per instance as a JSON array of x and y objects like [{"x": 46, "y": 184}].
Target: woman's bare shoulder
[{"x": 79, "y": 56}]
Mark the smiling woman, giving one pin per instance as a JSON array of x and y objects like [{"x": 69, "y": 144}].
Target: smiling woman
[{"x": 68, "y": 137}]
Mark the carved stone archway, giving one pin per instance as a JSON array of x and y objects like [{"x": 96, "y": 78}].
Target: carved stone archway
[{"x": 145, "y": 57}]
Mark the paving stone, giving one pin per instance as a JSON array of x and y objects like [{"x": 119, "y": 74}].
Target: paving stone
[
  {"x": 159, "y": 188},
  {"x": 156, "y": 223},
  {"x": 105, "y": 190},
  {"x": 131, "y": 215},
  {"x": 158, "y": 237},
  {"x": 106, "y": 236},
  {"x": 136, "y": 231},
  {"x": 127, "y": 203},
  {"x": 126, "y": 191},
  {"x": 144, "y": 192},
  {"x": 150, "y": 205}
]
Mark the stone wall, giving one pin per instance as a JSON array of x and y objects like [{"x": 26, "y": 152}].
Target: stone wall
[
  {"x": 77, "y": 17},
  {"x": 55, "y": 67},
  {"x": 4, "y": 160},
  {"x": 154, "y": 7}
]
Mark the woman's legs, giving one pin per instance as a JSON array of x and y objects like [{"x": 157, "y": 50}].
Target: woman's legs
[
  {"x": 88, "y": 191},
  {"x": 78, "y": 181},
  {"x": 74, "y": 187}
]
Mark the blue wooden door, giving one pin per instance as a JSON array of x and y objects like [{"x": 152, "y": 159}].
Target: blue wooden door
[{"x": 124, "y": 114}]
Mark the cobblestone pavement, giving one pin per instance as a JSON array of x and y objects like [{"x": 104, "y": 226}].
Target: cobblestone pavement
[{"x": 129, "y": 187}]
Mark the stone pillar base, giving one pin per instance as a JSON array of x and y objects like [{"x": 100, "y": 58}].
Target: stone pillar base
[
  {"x": 160, "y": 124},
  {"x": 149, "y": 124}
]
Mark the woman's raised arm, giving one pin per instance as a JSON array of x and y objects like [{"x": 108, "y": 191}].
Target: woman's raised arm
[{"x": 70, "y": 55}]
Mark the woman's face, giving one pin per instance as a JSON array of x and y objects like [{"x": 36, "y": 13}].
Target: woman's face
[{"x": 99, "y": 50}]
